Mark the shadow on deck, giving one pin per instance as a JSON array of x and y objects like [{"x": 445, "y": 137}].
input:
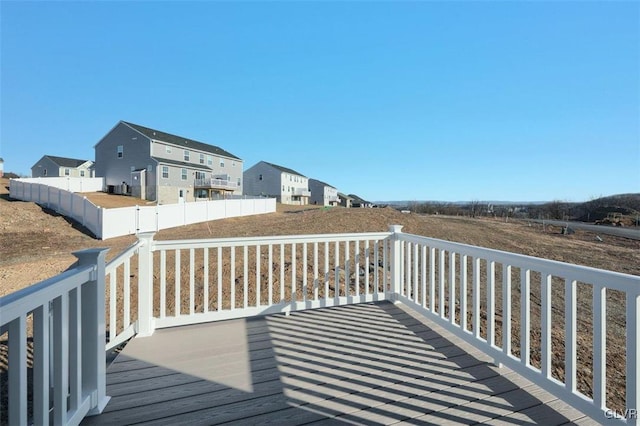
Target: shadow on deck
[{"x": 357, "y": 364}]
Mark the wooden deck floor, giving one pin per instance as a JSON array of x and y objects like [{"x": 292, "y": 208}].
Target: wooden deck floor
[{"x": 357, "y": 364}]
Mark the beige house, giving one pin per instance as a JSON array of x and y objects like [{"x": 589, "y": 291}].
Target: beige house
[{"x": 53, "y": 166}]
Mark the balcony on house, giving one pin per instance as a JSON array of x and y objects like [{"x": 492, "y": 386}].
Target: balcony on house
[
  {"x": 218, "y": 182},
  {"x": 366, "y": 328},
  {"x": 301, "y": 192}
]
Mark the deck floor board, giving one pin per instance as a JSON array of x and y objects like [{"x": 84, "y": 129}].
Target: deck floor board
[{"x": 373, "y": 363}]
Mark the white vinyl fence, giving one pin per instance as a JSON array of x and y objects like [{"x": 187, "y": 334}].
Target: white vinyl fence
[
  {"x": 110, "y": 223},
  {"x": 71, "y": 184}
]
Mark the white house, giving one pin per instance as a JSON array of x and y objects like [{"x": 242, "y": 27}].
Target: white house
[
  {"x": 271, "y": 180},
  {"x": 323, "y": 194},
  {"x": 159, "y": 166},
  {"x": 52, "y": 166}
]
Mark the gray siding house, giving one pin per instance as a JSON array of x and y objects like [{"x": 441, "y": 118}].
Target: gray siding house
[
  {"x": 166, "y": 168},
  {"x": 323, "y": 194},
  {"x": 282, "y": 183},
  {"x": 52, "y": 166}
]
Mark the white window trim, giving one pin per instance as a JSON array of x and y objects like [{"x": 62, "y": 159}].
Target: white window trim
[{"x": 163, "y": 170}]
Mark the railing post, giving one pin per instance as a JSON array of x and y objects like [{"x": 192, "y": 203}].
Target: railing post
[
  {"x": 94, "y": 363},
  {"x": 633, "y": 358},
  {"x": 145, "y": 285},
  {"x": 396, "y": 261}
]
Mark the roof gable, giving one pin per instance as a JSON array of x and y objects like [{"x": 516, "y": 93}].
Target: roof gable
[
  {"x": 66, "y": 162},
  {"x": 284, "y": 169},
  {"x": 322, "y": 183},
  {"x": 179, "y": 140}
]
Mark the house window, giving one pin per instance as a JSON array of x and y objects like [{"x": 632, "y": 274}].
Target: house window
[
  {"x": 44, "y": 172},
  {"x": 209, "y": 160},
  {"x": 239, "y": 181},
  {"x": 201, "y": 158},
  {"x": 221, "y": 162},
  {"x": 120, "y": 151},
  {"x": 186, "y": 155},
  {"x": 184, "y": 174},
  {"x": 168, "y": 149},
  {"x": 282, "y": 188},
  {"x": 67, "y": 172},
  {"x": 165, "y": 172},
  {"x": 81, "y": 173},
  {"x": 260, "y": 177}
]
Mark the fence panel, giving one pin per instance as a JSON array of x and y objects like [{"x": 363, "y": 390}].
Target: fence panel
[
  {"x": 170, "y": 215},
  {"x": 118, "y": 222},
  {"x": 216, "y": 210},
  {"x": 195, "y": 212},
  {"x": 78, "y": 208},
  {"x": 71, "y": 184},
  {"x": 65, "y": 203},
  {"x": 147, "y": 219},
  {"x": 233, "y": 208}
]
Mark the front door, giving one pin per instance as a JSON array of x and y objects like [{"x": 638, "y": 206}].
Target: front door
[{"x": 181, "y": 196}]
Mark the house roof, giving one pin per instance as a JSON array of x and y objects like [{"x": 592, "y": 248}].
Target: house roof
[
  {"x": 284, "y": 169},
  {"x": 322, "y": 183},
  {"x": 358, "y": 199},
  {"x": 66, "y": 162},
  {"x": 179, "y": 140},
  {"x": 341, "y": 195},
  {"x": 182, "y": 164}
]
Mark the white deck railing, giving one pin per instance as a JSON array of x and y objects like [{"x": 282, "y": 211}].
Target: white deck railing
[
  {"x": 473, "y": 292},
  {"x": 66, "y": 314}
]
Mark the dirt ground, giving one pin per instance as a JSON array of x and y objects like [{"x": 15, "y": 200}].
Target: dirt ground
[{"x": 36, "y": 244}]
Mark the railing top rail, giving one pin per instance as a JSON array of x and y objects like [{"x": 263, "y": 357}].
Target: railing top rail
[
  {"x": 117, "y": 261},
  {"x": 586, "y": 274},
  {"x": 27, "y": 299},
  {"x": 264, "y": 240}
]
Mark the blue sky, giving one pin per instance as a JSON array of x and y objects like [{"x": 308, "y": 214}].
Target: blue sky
[{"x": 391, "y": 101}]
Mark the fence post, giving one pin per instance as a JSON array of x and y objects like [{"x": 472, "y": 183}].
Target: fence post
[
  {"x": 100, "y": 232},
  {"x": 145, "y": 285},
  {"x": 94, "y": 363},
  {"x": 396, "y": 261}
]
